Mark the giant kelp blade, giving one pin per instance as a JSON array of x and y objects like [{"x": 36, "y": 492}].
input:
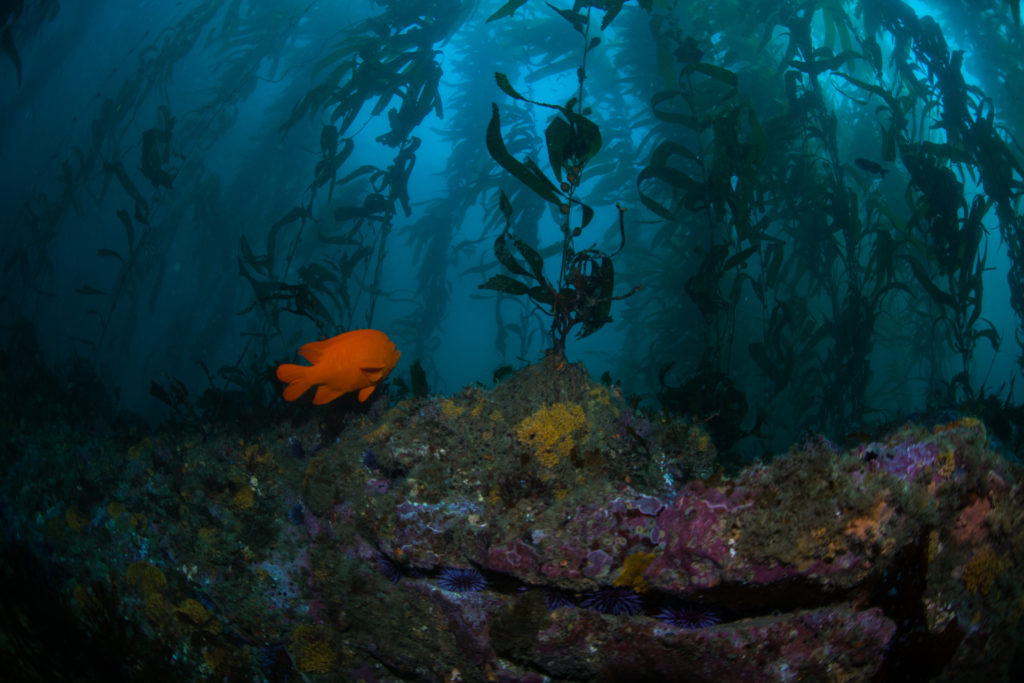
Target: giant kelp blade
[
  {"x": 533, "y": 168},
  {"x": 819, "y": 66},
  {"x": 362, "y": 170},
  {"x": 542, "y": 295},
  {"x": 296, "y": 213},
  {"x": 111, "y": 253},
  {"x": 151, "y": 162},
  {"x": 558, "y": 136},
  {"x": 924, "y": 278},
  {"x": 506, "y": 284},
  {"x": 258, "y": 264},
  {"x": 317, "y": 276},
  {"x": 129, "y": 228},
  {"x": 117, "y": 168},
  {"x": 688, "y": 120},
  {"x": 567, "y": 64},
  {"x": 611, "y": 10},
  {"x": 714, "y": 71},
  {"x": 946, "y": 151},
  {"x": 418, "y": 380},
  {"x": 7, "y": 43},
  {"x": 140, "y": 215},
  {"x": 600, "y": 292},
  {"x": 506, "y": 10},
  {"x": 506, "y": 87},
  {"x": 647, "y": 200},
  {"x": 575, "y": 18},
  {"x": 890, "y": 101},
  {"x": 588, "y": 213},
  {"x": 581, "y": 140},
  {"x": 345, "y": 213},
  {"x": 343, "y": 240},
  {"x": 158, "y": 392},
  {"x": 506, "y": 257},
  {"x": 311, "y": 102},
  {"x": 327, "y": 167},
  {"x": 506, "y": 206},
  {"x": 496, "y": 146},
  {"x": 992, "y": 334},
  {"x": 11, "y": 8},
  {"x": 661, "y": 171},
  {"x": 328, "y": 141},
  {"x": 740, "y": 258},
  {"x": 531, "y": 256}
]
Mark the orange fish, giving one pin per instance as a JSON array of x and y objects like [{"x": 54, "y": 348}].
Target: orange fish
[{"x": 358, "y": 360}]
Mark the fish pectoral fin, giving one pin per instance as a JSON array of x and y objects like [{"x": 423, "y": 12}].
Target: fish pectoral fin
[
  {"x": 374, "y": 374},
  {"x": 365, "y": 392},
  {"x": 326, "y": 394}
]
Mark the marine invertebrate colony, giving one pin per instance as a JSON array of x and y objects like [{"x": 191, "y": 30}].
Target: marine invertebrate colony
[
  {"x": 632, "y": 574},
  {"x": 550, "y": 431}
]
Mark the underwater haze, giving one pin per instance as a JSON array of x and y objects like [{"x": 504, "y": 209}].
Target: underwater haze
[
  {"x": 635, "y": 246},
  {"x": 821, "y": 220}
]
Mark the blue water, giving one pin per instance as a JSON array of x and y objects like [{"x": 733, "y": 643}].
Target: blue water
[{"x": 94, "y": 78}]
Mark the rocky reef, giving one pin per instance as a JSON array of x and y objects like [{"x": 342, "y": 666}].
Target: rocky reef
[{"x": 539, "y": 531}]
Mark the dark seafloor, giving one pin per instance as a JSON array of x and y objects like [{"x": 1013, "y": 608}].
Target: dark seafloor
[{"x": 538, "y": 531}]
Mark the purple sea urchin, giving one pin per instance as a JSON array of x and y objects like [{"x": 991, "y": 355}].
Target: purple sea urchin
[
  {"x": 395, "y": 571},
  {"x": 462, "y": 580},
  {"x": 616, "y": 601},
  {"x": 690, "y": 616},
  {"x": 556, "y": 597},
  {"x": 390, "y": 569},
  {"x": 369, "y": 460}
]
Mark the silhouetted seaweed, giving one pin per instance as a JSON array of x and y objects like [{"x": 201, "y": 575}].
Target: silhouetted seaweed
[
  {"x": 216, "y": 406},
  {"x": 583, "y": 292},
  {"x": 385, "y": 57},
  {"x": 156, "y": 151},
  {"x": 712, "y": 396},
  {"x": 27, "y": 18}
]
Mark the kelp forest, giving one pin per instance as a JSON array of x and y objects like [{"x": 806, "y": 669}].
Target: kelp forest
[
  {"x": 511, "y": 340},
  {"x": 780, "y": 216}
]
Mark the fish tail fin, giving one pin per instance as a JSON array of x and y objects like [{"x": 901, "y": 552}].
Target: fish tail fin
[{"x": 297, "y": 377}]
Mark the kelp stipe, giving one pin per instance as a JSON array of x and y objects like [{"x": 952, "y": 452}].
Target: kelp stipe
[{"x": 583, "y": 292}]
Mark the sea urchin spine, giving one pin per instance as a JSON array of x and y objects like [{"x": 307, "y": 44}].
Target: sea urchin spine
[
  {"x": 691, "y": 616},
  {"x": 462, "y": 580},
  {"x": 615, "y": 601}
]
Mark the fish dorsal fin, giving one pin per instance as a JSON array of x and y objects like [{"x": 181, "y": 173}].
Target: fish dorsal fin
[
  {"x": 314, "y": 350},
  {"x": 365, "y": 392}
]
